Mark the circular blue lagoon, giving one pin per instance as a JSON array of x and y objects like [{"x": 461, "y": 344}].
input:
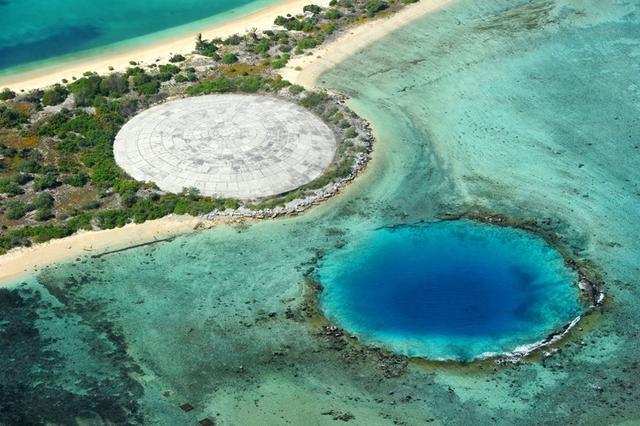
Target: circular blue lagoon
[{"x": 454, "y": 290}]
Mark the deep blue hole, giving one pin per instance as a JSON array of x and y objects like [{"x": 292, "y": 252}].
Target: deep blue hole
[{"x": 449, "y": 290}]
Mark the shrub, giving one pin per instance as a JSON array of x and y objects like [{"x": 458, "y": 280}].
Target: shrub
[
  {"x": 44, "y": 200},
  {"x": 28, "y": 166},
  {"x": 145, "y": 84},
  {"x": 149, "y": 88},
  {"x": 332, "y": 14},
  {"x": 77, "y": 180},
  {"x": 126, "y": 185},
  {"x": 249, "y": 83},
  {"x": 216, "y": 85},
  {"x": 169, "y": 68},
  {"x": 15, "y": 210},
  {"x": 86, "y": 89},
  {"x": 315, "y": 9},
  {"x": 313, "y": 99},
  {"x": 309, "y": 43},
  {"x": 55, "y": 95},
  {"x": 296, "y": 89},
  {"x": 229, "y": 58},
  {"x": 22, "y": 178},
  {"x": 232, "y": 40},
  {"x": 43, "y": 214},
  {"x": 128, "y": 199},
  {"x": 114, "y": 86},
  {"x": 105, "y": 173},
  {"x": 41, "y": 234},
  {"x": 206, "y": 48},
  {"x": 262, "y": 46},
  {"x": 295, "y": 24},
  {"x": 108, "y": 219},
  {"x": 7, "y": 94},
  {"x": 10, "y": 187},
  {"x": 374, "y": 6},
  {"x": 11, "y": 118},
  {"x": 280, "y": 62},
  {"x": 49, "y": 180},
  {"x": 90, "y": 205},
  {"x": 53, "y": 125},
  {"x": 329, "y": 28},
  {"x": 177, "y": 58}
]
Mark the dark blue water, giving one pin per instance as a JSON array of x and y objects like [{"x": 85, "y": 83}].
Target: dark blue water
[
  {"x": 33, "y": 30},
  {"x": 449, "y": 290}
]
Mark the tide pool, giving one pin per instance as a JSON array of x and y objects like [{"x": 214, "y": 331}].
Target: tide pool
[
  {"x": 449, "y": 290},
  {"x": 36, "y": 30}
]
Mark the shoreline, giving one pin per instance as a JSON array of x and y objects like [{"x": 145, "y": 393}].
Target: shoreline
[
  {"x": 148, "y": 54},
  {"x": 24, "y": 260},
  {"x": 21, "y": 261},
  {"x": 353, "y": 40}
]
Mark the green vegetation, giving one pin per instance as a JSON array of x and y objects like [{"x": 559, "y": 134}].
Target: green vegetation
[
  {"x": 86, "y": 89},
  {"x": 55, "y": 95},
  {"x": 373, "y": 6},
  {"x": 280, "y": 61},
  {"x": 294, "y": 24},
  {"x": 206, "y": 48},
  {"x": 7, "y": 94},
  {"x": 11, "y": 118},
  {"x": 315, "y": 9},
  {"x": 229, "y": 58},
  {"x": 177, "y": 58},
  {"x": 295, "y": 89},
  {"x": 245, "y": 84},
  {"x": 333, "y": 14},
  {"x": 114, "y": 85}
]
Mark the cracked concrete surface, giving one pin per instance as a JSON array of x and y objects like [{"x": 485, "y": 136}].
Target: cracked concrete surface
[{"x": 236, "y": 146}]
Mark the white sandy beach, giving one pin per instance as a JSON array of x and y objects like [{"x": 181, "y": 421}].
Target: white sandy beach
[
  {"x": 25, "y": 260},
  {"x": 48, "y": 75}
]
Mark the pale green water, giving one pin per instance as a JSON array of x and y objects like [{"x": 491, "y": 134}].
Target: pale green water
[{"x": 533, "y": 114}]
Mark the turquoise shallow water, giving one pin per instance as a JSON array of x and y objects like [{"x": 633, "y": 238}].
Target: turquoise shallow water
[
  {"x": 37, "y": 30},
  {"x": 528, "y": 109},
  {"x": 450, "y": 290}
]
